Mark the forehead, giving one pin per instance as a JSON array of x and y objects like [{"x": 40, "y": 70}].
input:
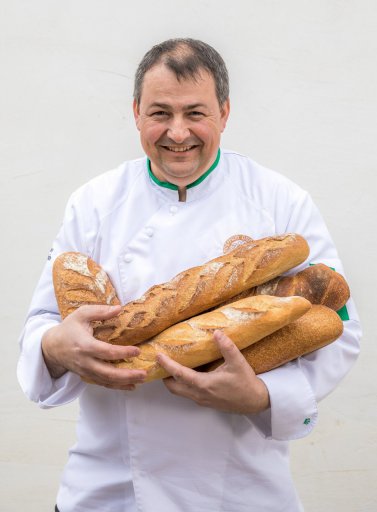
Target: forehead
[{"x": 161, "y": 84}]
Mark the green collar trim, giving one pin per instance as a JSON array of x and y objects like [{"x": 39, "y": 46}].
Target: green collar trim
[{"x": 166, "y": 184}]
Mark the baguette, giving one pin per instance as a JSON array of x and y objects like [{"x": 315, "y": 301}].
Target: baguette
[
  {"x": 78, "y": 280},
  {"x": 200, "y": 288},
  {"x": 312, "y": 331},
  {"x": 317, "y": 283},
  {"x": 191, "y": 343}
]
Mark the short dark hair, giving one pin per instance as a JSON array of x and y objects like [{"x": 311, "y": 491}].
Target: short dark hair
[{"x": 186, "y": 58}]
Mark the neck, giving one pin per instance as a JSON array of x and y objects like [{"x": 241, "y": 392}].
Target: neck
[{"x": 174, "y": 186}]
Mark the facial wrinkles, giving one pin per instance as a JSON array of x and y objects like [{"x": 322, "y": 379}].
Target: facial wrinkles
[
  {"x": 176, "y": 145},
  {"x": 178, "y": 139},
  {"x": 172, "y": 145}
]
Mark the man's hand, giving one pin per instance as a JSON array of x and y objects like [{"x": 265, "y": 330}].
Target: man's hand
[
  {"x": 71, "y": 346},
  {"x": 232, "y": 387}
]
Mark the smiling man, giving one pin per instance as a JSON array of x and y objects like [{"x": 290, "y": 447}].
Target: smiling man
[
  {"x": 180, "y": 114},
  {"x": 180, "y": 119},
  {"x": 202, "y": 442}
]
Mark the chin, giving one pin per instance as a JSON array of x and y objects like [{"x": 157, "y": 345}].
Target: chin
[{"x": 181, "y": 173}]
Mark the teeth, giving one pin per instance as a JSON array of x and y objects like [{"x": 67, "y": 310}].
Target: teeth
[{"x": 179, "y": 149}]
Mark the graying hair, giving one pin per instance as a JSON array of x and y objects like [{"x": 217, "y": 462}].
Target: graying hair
[{"x": 186, "y": 58}]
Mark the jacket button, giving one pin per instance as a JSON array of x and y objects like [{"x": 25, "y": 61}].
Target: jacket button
[
  {"x": 128, "y": 257},
  {"x": 173, "y": 209},
  {"x": 149, "y": 232}
]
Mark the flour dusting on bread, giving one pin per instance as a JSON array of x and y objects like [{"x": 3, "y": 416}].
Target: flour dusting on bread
[{"x": 78, "y": 263}]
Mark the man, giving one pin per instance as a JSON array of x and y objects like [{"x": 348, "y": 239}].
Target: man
[{"x": 195, "y": 442}]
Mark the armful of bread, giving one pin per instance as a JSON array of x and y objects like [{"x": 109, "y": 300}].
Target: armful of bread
[
  {"x": 78, "y": 280},
  {"x": 191, "y": 343},
  {"x": 197, "y": 289}
]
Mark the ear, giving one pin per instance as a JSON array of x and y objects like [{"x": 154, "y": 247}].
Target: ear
[
  {"x": 225, "y": 111},
  {"x": 136, "y": 110}
]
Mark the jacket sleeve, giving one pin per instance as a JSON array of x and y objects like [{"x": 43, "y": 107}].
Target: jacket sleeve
[
  {"x": 43, "y": 314},
  {"x": 295, "y": 388}
]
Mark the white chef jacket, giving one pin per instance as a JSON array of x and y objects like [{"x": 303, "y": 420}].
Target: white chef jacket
[{"x": 149, "y": 450}]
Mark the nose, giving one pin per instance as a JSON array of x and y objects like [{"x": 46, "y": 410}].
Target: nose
[{"x": 178, "y": 130}]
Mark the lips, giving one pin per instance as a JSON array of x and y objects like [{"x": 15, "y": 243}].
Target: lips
[{"x": 179, "y": 149}]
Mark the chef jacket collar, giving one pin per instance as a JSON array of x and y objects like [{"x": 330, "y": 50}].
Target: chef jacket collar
[{"x": 171, "y": 187}]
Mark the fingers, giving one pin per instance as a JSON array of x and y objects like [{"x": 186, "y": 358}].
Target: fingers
[
  {"x": 108, "y": 352},
  {"x": 71, "y": 346},
  {"x": 202, "y": 388},
  {"x": 94, "y": 361},
  {"x": 107, "y": 375},
  {"x": 231, "y": 354},
  {"x": 97, "y": 312},
  {"x": 184, "y": 381},
  {"x": 176, "y": 370}
]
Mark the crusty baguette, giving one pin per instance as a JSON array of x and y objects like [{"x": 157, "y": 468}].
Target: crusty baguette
[
  {"x": 315, "y": 329},
  {"x": 78, "y": 280},
  {"x": 191, "y": 342},
  {"x": 317, "y": 283},
  {"x": 199, "y": 288}
]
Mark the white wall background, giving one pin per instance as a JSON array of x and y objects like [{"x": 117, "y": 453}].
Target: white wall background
[{"x": 303, "y": 91}]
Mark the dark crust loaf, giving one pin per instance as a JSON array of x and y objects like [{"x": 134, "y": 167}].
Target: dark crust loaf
[
  {"x": 317, "y": 328},
  {"x": 78, "y": 281},
  {"x": 200, "y": 288},
  {"x": 317, "y": 283}
]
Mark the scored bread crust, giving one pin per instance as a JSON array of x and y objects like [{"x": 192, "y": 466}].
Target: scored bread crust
[
  {"x": 317, "y": 328},
  {"x": 317, "y": 283},
  {"x": 191, "y": 342},
  {"x": 78, "y": 280},
  {"x": 200, "y": 288}
]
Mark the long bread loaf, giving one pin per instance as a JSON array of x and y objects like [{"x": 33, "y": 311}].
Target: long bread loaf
[
  {"x": 317, "y": 283},
  {"x": 191, "y": 342},
  {"x": 200, "y": 288},
  {"x": 79, "y": 280},
  {"x": 312, "y": 331}
]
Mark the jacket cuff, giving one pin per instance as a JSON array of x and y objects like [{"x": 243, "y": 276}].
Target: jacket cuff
[
  {"x": 35, "y": 379},
  {"x": 293, "y": 412}
]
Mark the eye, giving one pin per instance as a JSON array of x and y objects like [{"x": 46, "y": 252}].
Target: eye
[
  {"x": 196, "y": 113},
  {"x": 159, "y": 113}
]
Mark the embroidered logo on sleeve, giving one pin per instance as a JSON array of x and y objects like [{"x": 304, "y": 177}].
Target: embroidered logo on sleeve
[{"x": 306, "y": 421}]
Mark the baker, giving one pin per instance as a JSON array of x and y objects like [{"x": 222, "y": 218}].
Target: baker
[{"x": 194, "y": 442}]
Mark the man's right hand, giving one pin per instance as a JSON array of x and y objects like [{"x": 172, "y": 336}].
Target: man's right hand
[{"x": 71, "y": 346}]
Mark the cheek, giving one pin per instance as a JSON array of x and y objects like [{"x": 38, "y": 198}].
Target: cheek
[
  {"x": 152, "y": 133},
  {"x": 208, "y": 132}
]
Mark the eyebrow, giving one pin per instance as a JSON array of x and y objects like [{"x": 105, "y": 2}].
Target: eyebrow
[{"x": 165, "y": 106}]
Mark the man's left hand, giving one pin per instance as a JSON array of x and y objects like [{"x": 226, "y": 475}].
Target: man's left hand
[{"x": 232, "y": 387}]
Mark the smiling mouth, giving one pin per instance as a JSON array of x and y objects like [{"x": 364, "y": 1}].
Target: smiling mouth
[{"x": 179, "y": 149}]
